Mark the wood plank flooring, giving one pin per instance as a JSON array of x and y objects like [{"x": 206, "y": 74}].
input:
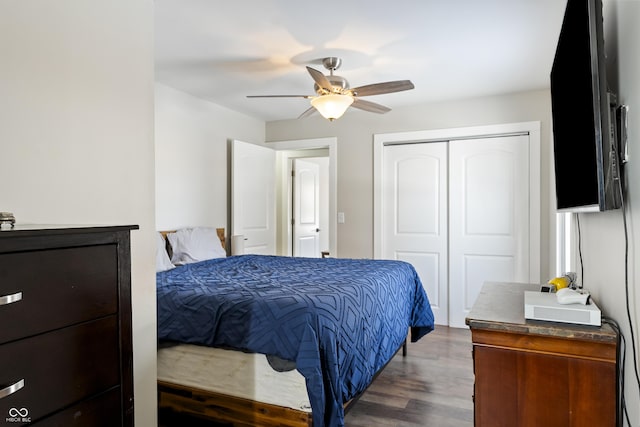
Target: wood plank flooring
[{"x": 431, "y": 386}]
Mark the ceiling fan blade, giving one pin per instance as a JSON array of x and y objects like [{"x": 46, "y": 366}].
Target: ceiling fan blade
[
  {"x": 372, "y": 107},
  {"x": 280, "y": 96},
  {"x": 381, "y": 88},
  {"x": 309, "y": 111},
  {"x": 320, "y": 79}
]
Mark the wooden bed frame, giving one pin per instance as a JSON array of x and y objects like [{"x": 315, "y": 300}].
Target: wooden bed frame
[{"x": 176, "y": 400}]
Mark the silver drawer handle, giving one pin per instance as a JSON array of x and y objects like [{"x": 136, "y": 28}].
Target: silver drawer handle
[
  {"x": 7, "y": 391},
  {"x": 8, "y": 299}
]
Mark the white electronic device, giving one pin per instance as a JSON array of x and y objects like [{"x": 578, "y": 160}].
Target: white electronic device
[
  {"x": 545, "y": 306},
  {"x": 571, "y": 296}
]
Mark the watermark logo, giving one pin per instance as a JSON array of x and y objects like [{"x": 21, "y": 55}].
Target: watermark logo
[{"x": 18, "y": 415}]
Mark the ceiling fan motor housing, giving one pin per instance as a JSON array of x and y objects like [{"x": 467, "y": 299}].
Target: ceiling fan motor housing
[{"x": 339, "y": 83}]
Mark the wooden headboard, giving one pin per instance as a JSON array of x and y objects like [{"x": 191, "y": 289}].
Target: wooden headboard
[{"x": 219, "y": 232}]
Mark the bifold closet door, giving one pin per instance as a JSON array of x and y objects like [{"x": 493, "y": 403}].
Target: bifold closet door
[
  {"x": 488, "y": 217},
  {"x": 458, "y": 211},
  {"x": 415, "y": 215}
]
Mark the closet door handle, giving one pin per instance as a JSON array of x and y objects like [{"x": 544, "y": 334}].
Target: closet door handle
[
  {"x": 7, "y": 391},
  {"x": 8, "y": 299}
]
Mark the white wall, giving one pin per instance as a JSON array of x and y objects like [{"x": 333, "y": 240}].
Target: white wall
[
  {"x": 76, "y": 136},
  {"x": 603, "y": 245},
  {"x": 192, "y": 158},
  {"x": 355, "y": 132}
]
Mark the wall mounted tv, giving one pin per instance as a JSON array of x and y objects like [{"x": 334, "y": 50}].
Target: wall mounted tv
[{"x": 583, "y": 111}]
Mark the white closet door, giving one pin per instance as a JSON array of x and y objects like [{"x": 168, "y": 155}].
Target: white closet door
[
  {"x": 415, "y": 215},
  {"x": 489, "y": 217}
]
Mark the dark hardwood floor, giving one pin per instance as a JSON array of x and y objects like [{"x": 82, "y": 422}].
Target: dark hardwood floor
[{"x": 431, "y": 387}]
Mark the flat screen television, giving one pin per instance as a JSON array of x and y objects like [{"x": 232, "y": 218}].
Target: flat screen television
[{"x": 583, "y": 111}]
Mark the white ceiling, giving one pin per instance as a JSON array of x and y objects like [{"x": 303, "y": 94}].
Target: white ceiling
[{"x": 222, "y": 51}]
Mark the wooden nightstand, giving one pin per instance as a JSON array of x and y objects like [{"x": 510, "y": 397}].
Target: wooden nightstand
[{"x": 532, "y": 373}]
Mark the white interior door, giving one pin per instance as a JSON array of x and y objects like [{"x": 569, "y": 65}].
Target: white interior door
[
  {"x": 306, "y": 209},
  {"x": 488, "y": 217},
  {"x": 415, "y": 211},
  {"x": 253, "y": 207}
]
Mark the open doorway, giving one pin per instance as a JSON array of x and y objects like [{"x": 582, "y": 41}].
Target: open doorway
[
  {"x": 261, "y": 195},
  {"x": 324, "y": 152}
]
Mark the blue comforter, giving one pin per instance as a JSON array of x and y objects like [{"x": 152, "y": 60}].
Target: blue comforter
[{"x": 339, "y": 320}]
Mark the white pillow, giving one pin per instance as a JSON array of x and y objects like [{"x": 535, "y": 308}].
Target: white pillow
[
  {"x": 194, "y": 245},
  {"x": 163, "y": 263}
]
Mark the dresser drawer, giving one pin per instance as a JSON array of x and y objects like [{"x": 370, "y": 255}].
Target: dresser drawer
[
  {"x": 45, "y": 290},
  {"x": 60, "y": 368},
  {"x": 101, "y": 411}
]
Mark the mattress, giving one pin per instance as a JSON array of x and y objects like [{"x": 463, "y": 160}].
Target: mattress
[{"x": 233, "y": 373}]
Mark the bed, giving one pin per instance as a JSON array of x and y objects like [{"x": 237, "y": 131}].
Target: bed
[{"x": 338, "y": 322}]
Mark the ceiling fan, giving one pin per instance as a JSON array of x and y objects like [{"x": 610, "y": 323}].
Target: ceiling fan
[{"x": 334, "y": 96}]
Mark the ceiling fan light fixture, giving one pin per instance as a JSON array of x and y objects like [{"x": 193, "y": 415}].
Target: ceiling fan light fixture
[
  {"x": 332, "y": 106},
  {"x": 334, "y": 94}
]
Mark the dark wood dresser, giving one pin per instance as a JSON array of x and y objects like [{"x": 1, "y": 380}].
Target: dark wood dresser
[
  {"x": 533, "y": 373},
  {"x": 65, "y": 334}
]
